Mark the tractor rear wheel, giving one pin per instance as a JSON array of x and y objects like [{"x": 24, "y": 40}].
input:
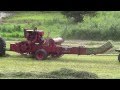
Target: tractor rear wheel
[
  {"x": 41, "y": 54},
  {"x": 2, "y": 46},
  {"x": 119, "y": 57}
]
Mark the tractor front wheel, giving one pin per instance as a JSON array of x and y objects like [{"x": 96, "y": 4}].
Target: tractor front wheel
[{"x": 41, "y": 54}]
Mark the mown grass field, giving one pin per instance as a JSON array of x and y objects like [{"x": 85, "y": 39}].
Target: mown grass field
[
  {"x": 18, "y": 66},
  {"x": 104, "y": 26}
]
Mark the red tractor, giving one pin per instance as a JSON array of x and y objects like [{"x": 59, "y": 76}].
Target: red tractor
[
  {"x": 41, "y": 48},
  {"x": 36, "y": 46}
]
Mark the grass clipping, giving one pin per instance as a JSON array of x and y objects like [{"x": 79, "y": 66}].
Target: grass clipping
[{"x": 60, "y": 74}]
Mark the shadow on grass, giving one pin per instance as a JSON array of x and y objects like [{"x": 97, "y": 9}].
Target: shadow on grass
[
  {"x": 49, "y": 59},
  {"x": 63, "y": 60},
  {"x": 18, "y": 57},
  {"x": 85, "y": 61},
  {"x": 63, "y": 73}
]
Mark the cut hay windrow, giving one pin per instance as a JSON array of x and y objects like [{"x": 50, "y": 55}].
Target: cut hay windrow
[{"x": 63, "y": 73}]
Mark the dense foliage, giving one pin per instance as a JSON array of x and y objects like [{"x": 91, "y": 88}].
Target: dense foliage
[{"x": 104, "y": 25}]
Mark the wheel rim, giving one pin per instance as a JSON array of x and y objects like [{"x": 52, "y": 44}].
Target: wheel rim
[{"x": 40, "y": 56}]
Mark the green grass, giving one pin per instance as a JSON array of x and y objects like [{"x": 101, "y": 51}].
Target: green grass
[
  {"x": 18, "y": 66},
  {"x": 103, "y": 66},
  {"x": 104, "y": 26}
]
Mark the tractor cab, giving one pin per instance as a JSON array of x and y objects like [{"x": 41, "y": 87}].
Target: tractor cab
[{"x": 33, "y": 35}]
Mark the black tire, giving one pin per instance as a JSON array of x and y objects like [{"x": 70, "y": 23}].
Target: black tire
[
  {"x": 41, "y": 54},
  {"x": 2, "y": 47},
  {"x": 119, "y": 57}
]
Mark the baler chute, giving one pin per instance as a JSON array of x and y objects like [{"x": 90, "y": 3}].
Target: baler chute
[{"x": 99, "y": 50}]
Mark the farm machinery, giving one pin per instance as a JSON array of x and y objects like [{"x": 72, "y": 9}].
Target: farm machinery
[
  {"x": 41, "y": 48},
  {"x": 118, "y": 50}
]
